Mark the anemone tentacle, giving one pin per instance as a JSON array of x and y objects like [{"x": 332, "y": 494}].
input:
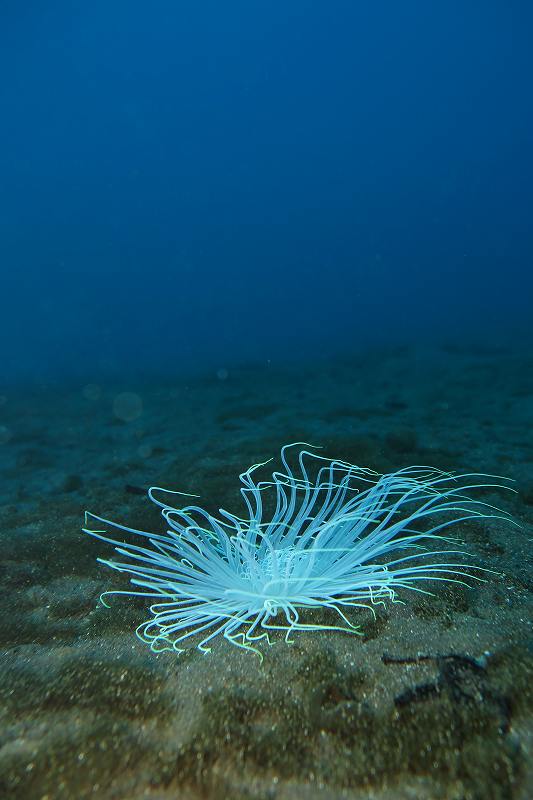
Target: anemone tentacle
[{"x": 340, "y": 537}]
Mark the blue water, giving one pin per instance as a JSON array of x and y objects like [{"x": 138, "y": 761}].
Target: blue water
[{"x": 190, "y": 186}]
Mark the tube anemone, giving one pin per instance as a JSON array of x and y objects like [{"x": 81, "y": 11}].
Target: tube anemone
[{"x": 338, "y": 537}]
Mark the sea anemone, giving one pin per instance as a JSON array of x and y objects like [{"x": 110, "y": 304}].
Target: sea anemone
[{"x": 337, "y": 537}]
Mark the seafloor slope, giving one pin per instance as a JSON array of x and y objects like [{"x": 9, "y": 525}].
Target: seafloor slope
[{"x": 434, "y": 701}]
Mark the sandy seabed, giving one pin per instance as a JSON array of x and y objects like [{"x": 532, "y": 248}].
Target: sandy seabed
[{"x": 434, "y": 701}]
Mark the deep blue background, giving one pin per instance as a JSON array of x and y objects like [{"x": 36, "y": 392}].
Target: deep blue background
[{"x": 209, "y": 182}]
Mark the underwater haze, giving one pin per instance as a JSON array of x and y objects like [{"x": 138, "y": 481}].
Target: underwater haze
[
  {"x": 266, "y": 400},
  {"x": 194, "y": 185}
]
